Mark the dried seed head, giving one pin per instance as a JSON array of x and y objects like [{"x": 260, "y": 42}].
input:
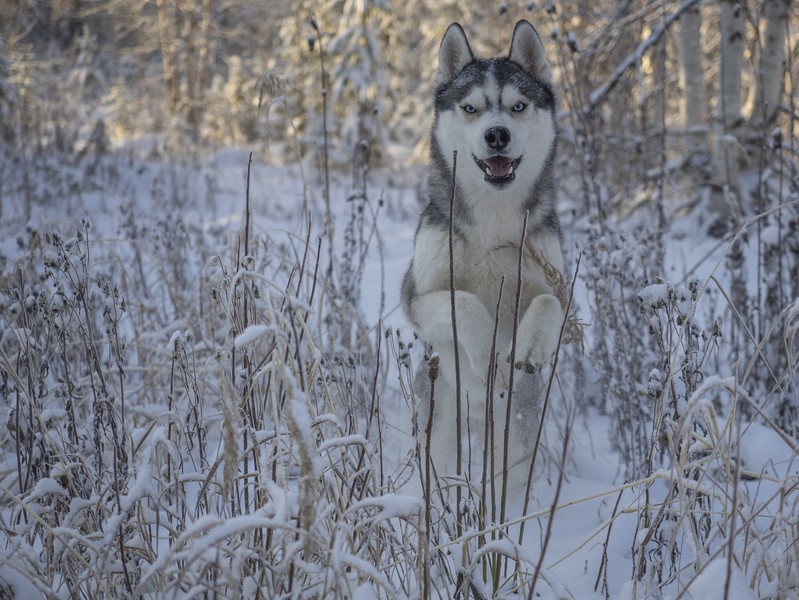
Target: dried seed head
[
  {"x": 432, "y": 367},
  {"x": 776, "y": 136}
]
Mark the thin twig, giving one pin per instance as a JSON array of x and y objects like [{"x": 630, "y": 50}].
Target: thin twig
[
  {"x": 603, "y": 564},
  {"x": 512, "y": 360},
  {"x": 735, "y": 485},
  {"x": 537, "y": 444},
  {"x": 553, "y": 509},
  {"x": 432, "y": 375},
  {"x": 489, "y": 473},
  {"x": 325, "y": 144},
  {"x": 456, "y": 349}
]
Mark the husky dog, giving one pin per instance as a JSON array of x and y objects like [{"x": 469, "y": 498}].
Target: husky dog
[{"x": 499, "y": 116}]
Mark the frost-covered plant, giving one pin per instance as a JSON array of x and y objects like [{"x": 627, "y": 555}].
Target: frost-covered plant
[
  {"x": 359, "y": 88},
  {"x": 700, "y": 506},
  {"x": 175, "y": 432},
  {"x": 471, "y": 542},
  {"x": 765, "y": 269},
  {"x": 464, "y": 546},
  {"x": 63, "y": 364},
  {"x": 681, "y": 429},
  {"x": 616, "y": 264}
]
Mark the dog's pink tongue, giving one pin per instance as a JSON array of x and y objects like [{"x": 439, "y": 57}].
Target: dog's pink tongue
[{"x": 499, "y": 166}]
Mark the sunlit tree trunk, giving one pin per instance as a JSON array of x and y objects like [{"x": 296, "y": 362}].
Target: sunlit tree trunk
[
  {"x": 205, "y": 44},
  {"x": 189, "y": 39},
  {"x": 727, "y": 153},
  {"x": 693, "y": 106},
  {"x": 765, "y": 94},
  {"x": 167, "y": 31}
]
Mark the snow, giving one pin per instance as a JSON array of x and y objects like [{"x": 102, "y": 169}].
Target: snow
[
  {"x": 707, "y": 584},
  {"x": 391, "y": 505},
  {"x": 597, "y": 507},
  {"x": 47, "y": 486},
  {"x": 251, "y": 334}
]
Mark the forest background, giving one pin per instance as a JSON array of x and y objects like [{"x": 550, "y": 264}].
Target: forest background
[{"x": 206, "y": 207}]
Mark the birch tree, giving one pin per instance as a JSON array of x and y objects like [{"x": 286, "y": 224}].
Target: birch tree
[
  {"x": 167, "y": 31},
  {"x": 764, "y": 96},
  {"x": 728, "y": 151},
  {"x": 692, "y": 82}
]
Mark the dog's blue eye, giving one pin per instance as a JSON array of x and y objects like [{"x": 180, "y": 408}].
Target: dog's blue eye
[
  {"x": 469, "y": 108},
  {"x": 519, "y": 106}
]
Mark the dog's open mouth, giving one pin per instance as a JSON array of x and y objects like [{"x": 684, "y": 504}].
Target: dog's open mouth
[{"x": 498, "y": 169}]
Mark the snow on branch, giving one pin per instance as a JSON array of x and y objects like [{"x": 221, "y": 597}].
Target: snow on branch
[{"x": 599, "y": 94}]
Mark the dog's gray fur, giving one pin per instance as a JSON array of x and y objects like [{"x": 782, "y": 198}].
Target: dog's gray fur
[{"x": 499, "y": 115}]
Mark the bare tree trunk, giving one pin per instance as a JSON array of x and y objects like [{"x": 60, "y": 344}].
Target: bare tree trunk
[
  {"x": 203, "y": 62},
  {"x": 190, "y": 65},
  {"x": 166, "y": 23},
  {"x": 732, "y": 43},
  {"x": 692, "y": 82},
  {"x": 205, "y": 47},
  {"x": 764, "y": 98},
  {"x": 728, "y": 151}
]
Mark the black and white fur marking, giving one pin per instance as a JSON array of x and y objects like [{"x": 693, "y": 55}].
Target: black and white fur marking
[{"x": 499, "y": 115}]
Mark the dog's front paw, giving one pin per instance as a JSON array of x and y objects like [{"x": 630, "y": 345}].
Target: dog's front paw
[
  {"x": 536, "y": 356},
  {"x": 539, "y": 332}
]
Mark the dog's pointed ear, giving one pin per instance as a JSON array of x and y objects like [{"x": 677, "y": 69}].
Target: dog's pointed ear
[
  {"x": 453, "y": 54},
  {"x": 527, "y": 51}
]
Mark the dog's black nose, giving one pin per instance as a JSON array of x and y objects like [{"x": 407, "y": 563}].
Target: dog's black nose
[{"x": 497, "y": 137}]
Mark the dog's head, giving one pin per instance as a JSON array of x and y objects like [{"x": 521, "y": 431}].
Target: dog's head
[{"x": 498, "y": 114}]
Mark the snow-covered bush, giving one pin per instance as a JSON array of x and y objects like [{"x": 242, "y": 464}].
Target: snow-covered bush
[
  {"x": 680, "y": 416},
  {"x": 173, "y": 428},
  {"x": 195, "y": 403},
  {"x": 617, "y": 264}
]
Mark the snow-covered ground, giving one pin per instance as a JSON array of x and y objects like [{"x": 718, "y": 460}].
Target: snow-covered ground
[{"x": 166, "y": 237}]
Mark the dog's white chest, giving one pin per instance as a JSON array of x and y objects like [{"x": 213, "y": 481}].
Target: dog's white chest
[{"x": 481, "y": 272}]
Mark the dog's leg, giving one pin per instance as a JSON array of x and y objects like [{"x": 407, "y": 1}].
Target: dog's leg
[
  {"x": 444, "y": 438},
  {"x": 432, "y": 312},
  {"x": 538, "y": 333}
]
